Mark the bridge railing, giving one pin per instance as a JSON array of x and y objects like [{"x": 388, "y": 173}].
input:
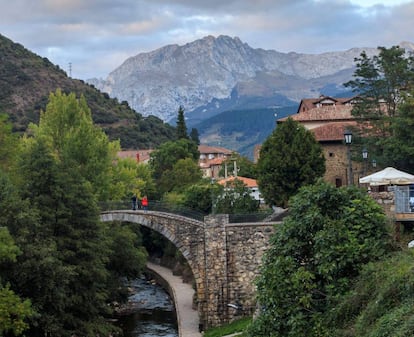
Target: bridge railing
[{"x": 158, "y": 206}]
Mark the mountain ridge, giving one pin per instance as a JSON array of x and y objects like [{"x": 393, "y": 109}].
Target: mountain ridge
[{"x": 213, "y": 69}]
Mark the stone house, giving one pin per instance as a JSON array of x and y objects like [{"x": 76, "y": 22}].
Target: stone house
[{"x": 328, "y": 118}]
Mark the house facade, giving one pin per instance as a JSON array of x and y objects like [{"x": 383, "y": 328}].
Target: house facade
[
  {"x": 211, "y": 159},
  {"x": 328, "y": 118}
]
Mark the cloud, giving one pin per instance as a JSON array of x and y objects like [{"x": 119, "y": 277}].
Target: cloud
[{"x": 96, "y": 36}]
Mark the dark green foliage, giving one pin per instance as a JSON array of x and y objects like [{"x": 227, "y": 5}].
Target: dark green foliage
[
  {"x": 181, "y": 130},
  {"x": 24, "y": 74},
  {"x": 245, "y": 167},
  {"x": 290, "y": 158},
  {"x": 194, "y": 136},
  {"x": 169, "y": 153},
  {"x": 200, "y": 196},
  {"x": 8, "y": 142},
  {"x": 235, "y": 198},
  {"x": 381, "y": 302},
  {"x": 383, "y": 84},
  {"x": 315, "y": 254}
]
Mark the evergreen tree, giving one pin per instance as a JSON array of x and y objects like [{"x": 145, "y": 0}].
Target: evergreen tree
[
  {"x": 382, "y": 84},
  {"x": 194, "y": 136},
  {"x": 290, "y": 158},
  {"x": 181, "y": 126}
]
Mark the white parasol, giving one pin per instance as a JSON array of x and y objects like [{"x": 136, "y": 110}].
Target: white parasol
[{"x": 388, "y": 176}]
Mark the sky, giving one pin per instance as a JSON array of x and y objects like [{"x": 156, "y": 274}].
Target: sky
[{"x": 91, "y": 38}]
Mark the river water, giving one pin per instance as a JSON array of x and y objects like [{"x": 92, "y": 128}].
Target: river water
[{"x": 152, "y": 312}]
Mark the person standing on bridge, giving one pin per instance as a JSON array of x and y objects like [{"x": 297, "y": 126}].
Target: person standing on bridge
[
  {"x": 134, "y": 202},
  {"x": 144, "y": 203}
]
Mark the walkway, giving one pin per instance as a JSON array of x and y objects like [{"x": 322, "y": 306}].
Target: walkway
[{"x": 187, "y": 317}]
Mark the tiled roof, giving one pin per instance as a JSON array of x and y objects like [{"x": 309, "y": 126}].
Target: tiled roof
[
  {"x": 247, "y": 181},
  {"x": 331, "y": 131},
  {"x": 312, "y": 109},
  {"x": 206, "y": 149}
]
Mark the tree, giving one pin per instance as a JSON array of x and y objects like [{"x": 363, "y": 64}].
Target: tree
[
  {"x": 289, "y": 158},
  {"x": 235, "y": 199},
  {"x": 68, "y": 126},
  {"x": 8, "y": 142},
  {"x": 184, "y": 172},
  {"x": 381, "y": 84},
  {"x": 165, "y": 157},
  {"x": 14, "y": 311},
  {"x": 246, "y": 168},
  {"x": 181, "y": 129},
  {"x": 314, "y": 257},
  {"x": 194, "y": 136}
]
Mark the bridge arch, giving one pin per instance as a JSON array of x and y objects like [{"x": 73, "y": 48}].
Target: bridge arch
[{"x": 225, "y": 258}]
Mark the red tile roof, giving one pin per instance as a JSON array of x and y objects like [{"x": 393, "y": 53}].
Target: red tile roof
[
  {"x": 331, "y": 131},
  {"x": 247, "y": 181}
]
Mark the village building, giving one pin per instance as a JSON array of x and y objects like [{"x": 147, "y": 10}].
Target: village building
[
  {"x": 251, "y": 184},
  {"x": 328, "y": 118},
  {"x": 211, "y": 160}
]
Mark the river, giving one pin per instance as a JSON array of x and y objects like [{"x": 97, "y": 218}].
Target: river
[{"x": 152, "y": 312}]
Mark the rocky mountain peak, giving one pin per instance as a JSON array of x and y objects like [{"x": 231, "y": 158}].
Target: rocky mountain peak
[{"x": 213, "y": 69}]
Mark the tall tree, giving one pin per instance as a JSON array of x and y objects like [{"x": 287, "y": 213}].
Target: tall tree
[
  {"x": 381, "y": 84},
  {"x": 194, "y": 136},
  {"x": 181, "y": 126},
  {"x": 315, "y": 255},
  {"x": 290, "y": 158},
  {"x": 68, "y": 126}
]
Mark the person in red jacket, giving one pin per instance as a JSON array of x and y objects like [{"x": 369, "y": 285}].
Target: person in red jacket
[{"x": 144, "y": 203}]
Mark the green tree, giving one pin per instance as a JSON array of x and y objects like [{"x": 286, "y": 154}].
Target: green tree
[
  {"x": 315, "y": 255},
  {"x": 181, "y": 128},
  {"x": 82, "y": 146},
  {"x": 201, "y": 196},
  {"x": 289, "y": 158},
  {"x": 194, "y": 136},
  {"x": 184, "y": 172},
  {"x": 235, "y": 199},
  {"x": 8, "y": 142},
  {"x": 163, "y": 159},
  {"x": 246, "y": 168},
  {"x": 14, "y": 312},
  {"x": 381, "y": 84}
]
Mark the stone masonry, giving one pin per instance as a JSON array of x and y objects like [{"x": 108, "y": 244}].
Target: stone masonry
[{"x": 225, "y": 258}]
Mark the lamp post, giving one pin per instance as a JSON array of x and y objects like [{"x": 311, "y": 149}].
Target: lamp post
[
  {"x": 348, "y": 142},
  {"x": 364, "y": 157},
  {"x": 374, "y": 163}
]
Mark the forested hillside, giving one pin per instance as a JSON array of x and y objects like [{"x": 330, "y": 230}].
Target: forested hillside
[
  {"x": 26, "y": 80},
  {"x": 241, "y": 130}
]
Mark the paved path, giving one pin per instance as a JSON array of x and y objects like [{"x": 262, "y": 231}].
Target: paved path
[{"x": 187, "y": 317}]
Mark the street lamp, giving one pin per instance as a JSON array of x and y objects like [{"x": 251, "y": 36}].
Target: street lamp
[
  {"x": 364, "y": 157},
  {"x": 348, "y": 142},
  {"x": 374, "y": 163}
]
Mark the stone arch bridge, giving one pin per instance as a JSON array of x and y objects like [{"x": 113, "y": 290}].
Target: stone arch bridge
[{"x": 224, "y": 258}]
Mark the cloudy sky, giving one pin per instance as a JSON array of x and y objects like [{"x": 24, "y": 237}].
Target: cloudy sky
[{"x": 96, "y": 36}]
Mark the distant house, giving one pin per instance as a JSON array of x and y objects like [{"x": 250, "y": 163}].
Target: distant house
[
  {"x": 251, "y": 184},
  {"x": 141, "y": 156},
  {"x": 328, "y": 118},
  {"x": 211, "y": 159}
]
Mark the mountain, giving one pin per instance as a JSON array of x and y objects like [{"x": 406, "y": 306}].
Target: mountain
[
  {"x": 241, "y": 130},
  {"x": 212, "y": 75},
  {"x": 27, "y": 79}
]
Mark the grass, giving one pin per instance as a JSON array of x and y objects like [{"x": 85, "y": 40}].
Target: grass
[{"x": 228, "y": 329}]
